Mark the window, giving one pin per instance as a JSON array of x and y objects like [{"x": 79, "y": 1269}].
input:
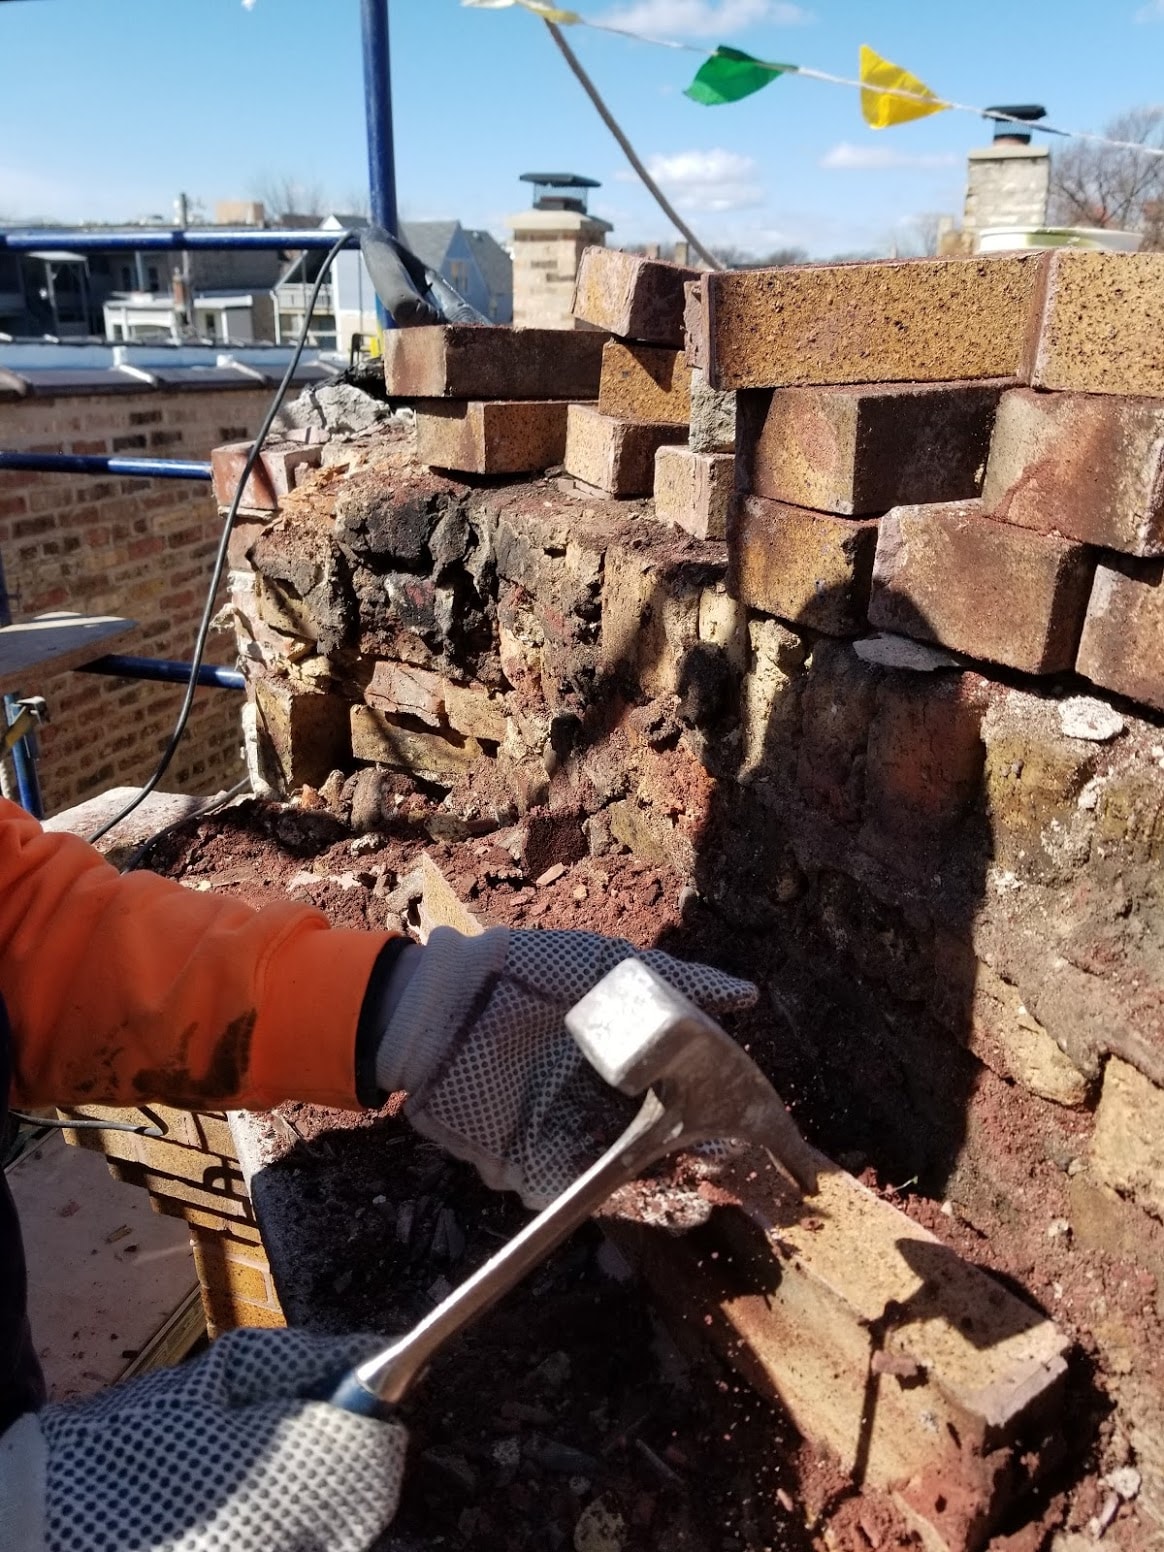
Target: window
[
  {"x": 152, "y": 278},
  {"x": 208, "y": 325},
  {"x": 118, "y": 332},
  {"x": 126, "y": 278}
]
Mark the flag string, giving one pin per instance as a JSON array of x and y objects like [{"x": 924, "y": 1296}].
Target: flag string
[{"x": 877, "y": 85}]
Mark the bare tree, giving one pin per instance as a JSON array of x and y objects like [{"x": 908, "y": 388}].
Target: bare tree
[
  {"x": 1113, "y": 186},
  {"x": 737, "y": 258},
  {"x": 284, "y": 196},
  {"x": 923, "y": 234}
]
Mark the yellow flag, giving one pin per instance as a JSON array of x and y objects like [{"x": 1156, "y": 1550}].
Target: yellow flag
[
  {"x": 879, "y": 79},
  {"x": 548, "y": 13}
]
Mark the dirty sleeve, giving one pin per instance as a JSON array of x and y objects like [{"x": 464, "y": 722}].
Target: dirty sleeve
[{"x": 124, "y": 988}]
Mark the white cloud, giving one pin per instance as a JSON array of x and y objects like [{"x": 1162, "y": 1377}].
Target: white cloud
[
  {"x": 713, "y": 180},
  {"x": 1152, "y": 12},
  {"x": 703, "y": 18},
  {"x": 873, "y": 158}
]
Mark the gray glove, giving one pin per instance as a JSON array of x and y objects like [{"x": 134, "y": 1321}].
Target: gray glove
[
  {"x": 478, "y": 1039},
  {"x": 216, "y": 1454}
]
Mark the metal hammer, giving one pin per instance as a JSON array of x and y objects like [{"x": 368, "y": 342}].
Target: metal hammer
[{"x": 639, "y": 1034}]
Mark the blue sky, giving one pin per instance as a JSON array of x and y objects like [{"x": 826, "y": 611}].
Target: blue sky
[{"x": 109, "y": 107}]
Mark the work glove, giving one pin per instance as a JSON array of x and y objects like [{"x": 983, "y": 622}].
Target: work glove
[
  {"x": 478, "y": 1039},
  {"x": 218, "y": 1454}
]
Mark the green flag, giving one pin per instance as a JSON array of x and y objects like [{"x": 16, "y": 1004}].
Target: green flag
[{"x": 729, "y": 75}]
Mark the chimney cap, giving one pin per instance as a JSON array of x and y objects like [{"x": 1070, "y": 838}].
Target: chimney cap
[{"x": 1006, "y": 128}]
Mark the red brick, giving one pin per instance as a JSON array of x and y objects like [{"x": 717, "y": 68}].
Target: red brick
[
  {"x": 1122, "y": 647},
  {"x": 1087, "y": 466},
  {"x": 858, "y": 450},
  {"x": 615, "y": 456},
  {"x": 808, "y": 568},
  {"x": 908, "y": 321},
  {"x": 498, "y": 436},
  {"x": 464, "y": 361},
  {"x": 635, "y": 298},
  {"x": 272, "y": 478},
  {"x": 948, "y": 574},
  {"x": 694, "y": 490},
  {"x": 645, "y": 382},
  {"x": 1102, "y": 324}
]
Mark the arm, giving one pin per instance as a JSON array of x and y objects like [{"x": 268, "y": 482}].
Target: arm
[{"x": 128, "y": 988}]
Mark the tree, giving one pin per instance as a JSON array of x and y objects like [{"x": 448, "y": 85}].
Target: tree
[
  {"x": 1113, "y": 186},
  {"x": 284, "y": 196},
  {"x": 737, "y": 258},
  {"x": 923, "y": 234}
]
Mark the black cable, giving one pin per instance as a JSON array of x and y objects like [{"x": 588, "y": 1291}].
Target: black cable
[{"x": 220, "y": 558}]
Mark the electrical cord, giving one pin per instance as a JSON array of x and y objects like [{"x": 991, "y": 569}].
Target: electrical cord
[{"x": 220, "y": 558}]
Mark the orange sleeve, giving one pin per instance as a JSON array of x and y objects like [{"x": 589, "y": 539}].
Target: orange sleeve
[{"x": 121, "y": 989}]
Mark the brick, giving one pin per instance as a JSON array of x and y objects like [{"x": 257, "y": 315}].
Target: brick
[
  {"x": 948, "y": 574},
  {"x": 965, "y": 1369},
  {"x": 1122, "y": 646},
  {"x": 206, "y": 1132},
  {"x": 858, "y": 450},
  {"x": 271, "y": 479},
  {"x": 439, "y": 757},
  {"x": 491, "y": 436},
  {"x": 1127, "y": 1146},
  {"x": 696, "y": 336},
  {"x": 1102, "y": 324},
  {"x": 303, "y": 734},
  {"x": 808, "y": 568},
  {"x": 635, "y": 298},
  {"x": 644, "y": 382},
  {"x": 713, "y": 417},
  {"x": 908, "y": 321},
  {"x": 402, "y": 690},
  {"x": 694, "y": 490},
  {"x": 615, "y": 456},
  {"x": 1087, "y": 466},
  {"x": 465, "y": 361}
]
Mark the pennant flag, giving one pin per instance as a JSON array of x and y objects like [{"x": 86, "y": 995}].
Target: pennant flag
[
  {"x": 729, "y": 75},
  {"x": 880, "y": 78},
  {"x": 548, "y": 13}
]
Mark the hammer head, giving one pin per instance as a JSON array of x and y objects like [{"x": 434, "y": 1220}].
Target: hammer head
[{"x": 639, "y": 1033}]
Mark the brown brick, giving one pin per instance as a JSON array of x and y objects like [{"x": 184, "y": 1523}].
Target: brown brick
[
  {"x": 1102, "y": 325},
  {"x": 465, "y": 361},
  {"x": 1122, "y": 647},
  {"x": 904, "y": 1362},
  {"x": 947, "y": 574},
  {"x": 303, "y": 733},
  {"x": 615, "y": 456},
  {"x": 696, "y": 335},
  {"x": 694, "y": 490},
  {"x": 808, "y": 568},
  {"x": 645, "y": 382},
  {"x": 440, "y": 757},
  {"x": 491, "y": 436},
  {"x": 909, "y": 321},
  {"x": 635, "y": 298},
  {"x": 1087, "y": 466},
  {"x": 1127, "y": 1147},
  {"x": 859, "y": 450},
  {"x": 272, "y": 478}
]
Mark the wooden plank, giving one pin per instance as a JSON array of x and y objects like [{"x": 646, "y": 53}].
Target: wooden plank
[
  {"x": 52, "y": 643},
  {"x": 182, "y": 1332}
]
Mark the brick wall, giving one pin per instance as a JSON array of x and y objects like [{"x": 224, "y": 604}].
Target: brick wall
[{"x": 141, "y": 548}]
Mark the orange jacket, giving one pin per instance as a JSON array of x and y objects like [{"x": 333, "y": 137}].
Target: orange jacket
[{"x": 129, "y": 988}]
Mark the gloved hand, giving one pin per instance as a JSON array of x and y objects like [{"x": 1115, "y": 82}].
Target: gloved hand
[
  {"x": 216, "y": 1454},
  {"x": 478, "y": 1039}
]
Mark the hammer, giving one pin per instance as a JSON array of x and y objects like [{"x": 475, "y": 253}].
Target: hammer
[{"x": 642, "y": 1037}]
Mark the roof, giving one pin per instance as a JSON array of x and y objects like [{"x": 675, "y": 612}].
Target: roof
[
  {"x": 492, "y": 260},
  {"x": 38, "y": 367},
  {"x": 429, "y": 240},
  {"x": 561, "y": 180}
]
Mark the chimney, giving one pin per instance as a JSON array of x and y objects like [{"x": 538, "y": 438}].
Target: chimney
[
  {"x": 1008, "y": 181},
  {"x": 548, "y": 241}
]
